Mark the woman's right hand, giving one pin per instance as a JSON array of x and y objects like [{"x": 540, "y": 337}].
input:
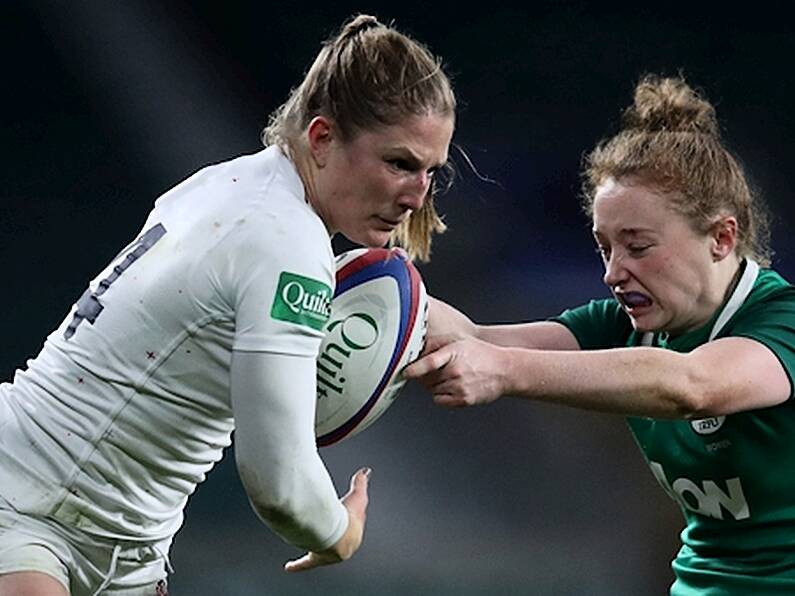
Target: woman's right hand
[{"x": 464, "y": 372}]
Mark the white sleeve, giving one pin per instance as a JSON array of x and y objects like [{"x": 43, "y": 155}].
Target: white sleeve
[
  {"x": 280, "y": 289},
  {"x": 273, "y": 398}
]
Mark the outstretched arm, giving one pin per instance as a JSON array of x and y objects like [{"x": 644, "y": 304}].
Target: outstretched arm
[{"x": 724, "y": 376}]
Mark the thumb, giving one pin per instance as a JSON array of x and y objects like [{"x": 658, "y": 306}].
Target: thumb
[{"x": 356, "y": 498}]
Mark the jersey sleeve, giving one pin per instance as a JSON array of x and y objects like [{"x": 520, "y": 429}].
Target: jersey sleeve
[
  {"x": 600, "y": 324},
  {"x": 278, "y": 281},
  {"x": 771, "y": 322},
  {"x": 273, "y": 397}
]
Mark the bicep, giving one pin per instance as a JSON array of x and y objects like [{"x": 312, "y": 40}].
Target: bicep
[
  {"x": 539, "y": 335},
  {"x": 738, "y": 374}
]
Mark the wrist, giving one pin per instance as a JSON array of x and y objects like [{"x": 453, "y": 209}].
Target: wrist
[
  {"x": 343, "y": 549},
  {"x": 476, "y": 331},
  {"x": 509, "y": 368}
]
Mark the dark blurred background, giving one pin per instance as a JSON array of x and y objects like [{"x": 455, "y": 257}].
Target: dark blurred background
[{"x": 108, "y": 104}]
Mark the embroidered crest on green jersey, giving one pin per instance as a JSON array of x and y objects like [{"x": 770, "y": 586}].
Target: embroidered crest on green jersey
[{"x": 301, "y": 300}]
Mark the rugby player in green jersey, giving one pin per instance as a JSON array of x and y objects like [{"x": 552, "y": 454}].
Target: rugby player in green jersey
[{"x": 696, "y": 346}]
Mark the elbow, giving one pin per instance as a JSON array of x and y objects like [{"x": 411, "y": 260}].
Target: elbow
[
  {"x": 273, "y": 506},
  {"x": 279, "y": 516},
  {"x": 284, "y": 507},
  {"x": 691, "y": 407},
  {"x": 696, "y": 398},
  {"x": 281, "y": 512}
]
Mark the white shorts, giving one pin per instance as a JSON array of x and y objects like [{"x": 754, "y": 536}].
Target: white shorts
[{"x": 85, "y": 565}]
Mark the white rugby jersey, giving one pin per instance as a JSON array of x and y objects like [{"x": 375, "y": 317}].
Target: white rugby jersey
[{"x": 127, "y": 406}]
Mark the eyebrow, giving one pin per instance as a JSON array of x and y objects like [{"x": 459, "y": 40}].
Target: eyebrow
[
  {"x": 412, "y": 158},
  {"x": 624, "y": 232}
]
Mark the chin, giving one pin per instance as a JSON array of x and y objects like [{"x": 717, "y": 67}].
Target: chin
[
  {"x": 640, "y": 328},
  {"x": 644, "y": 324},
  {"x": 371, "y": 238}
]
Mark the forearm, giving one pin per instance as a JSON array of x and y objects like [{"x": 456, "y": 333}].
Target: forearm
[
  {"x": 632, "y": 381},
  {"x": 447, "y": 323},
  {"x": 273, "y": 398},
  {"x": 538, "y": 335},
  {"x": 294, "y": 496}
]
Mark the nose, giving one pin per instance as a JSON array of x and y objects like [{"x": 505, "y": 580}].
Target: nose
[
  {"x": 615, "y": 272},
  {"x": 417, "y": 187}
]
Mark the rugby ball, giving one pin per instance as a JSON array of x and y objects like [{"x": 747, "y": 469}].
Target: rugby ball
[{"x": 377, "y": 326}]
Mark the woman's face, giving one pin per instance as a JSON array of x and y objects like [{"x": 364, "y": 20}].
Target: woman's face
[
  {"x": 369, "y": 185},
  {"x": 657, "y": 266}
]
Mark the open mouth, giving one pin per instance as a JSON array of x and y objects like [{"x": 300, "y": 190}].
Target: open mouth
[{"x": 633, "y": 301}]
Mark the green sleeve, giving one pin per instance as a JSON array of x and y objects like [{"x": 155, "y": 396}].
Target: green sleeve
[
  {"x": 771, "y": 322},
  {"x": 597, "y": 325}
]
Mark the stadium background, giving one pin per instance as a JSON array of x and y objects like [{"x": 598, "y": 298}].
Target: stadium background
[{"x": 108, "y": 104}]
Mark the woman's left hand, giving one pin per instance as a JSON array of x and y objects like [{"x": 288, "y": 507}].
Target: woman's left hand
[{"x": 355, "y": 501}]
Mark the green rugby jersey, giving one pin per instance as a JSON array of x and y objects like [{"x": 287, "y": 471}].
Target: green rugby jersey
[{"x": 733, "y": 476}]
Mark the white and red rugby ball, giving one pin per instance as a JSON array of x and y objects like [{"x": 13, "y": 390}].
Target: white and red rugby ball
[{"x": 377, "y": 326}]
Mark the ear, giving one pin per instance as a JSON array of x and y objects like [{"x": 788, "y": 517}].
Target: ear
[
  {"x": 724, "y": 237},
  {"x": 320, "y": 134}
]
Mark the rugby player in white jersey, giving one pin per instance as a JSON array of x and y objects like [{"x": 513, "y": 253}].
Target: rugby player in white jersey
[{"x": 210, "y": 321}]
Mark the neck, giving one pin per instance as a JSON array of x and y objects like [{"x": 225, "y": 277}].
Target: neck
[
  {"x": 734, "y": 272},
  {"x": 722, "y": 279},
  {"x": 306, "y": 172}
]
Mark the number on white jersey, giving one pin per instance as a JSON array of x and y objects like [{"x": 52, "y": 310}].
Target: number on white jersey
[{"x": 89, "y": 307}]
